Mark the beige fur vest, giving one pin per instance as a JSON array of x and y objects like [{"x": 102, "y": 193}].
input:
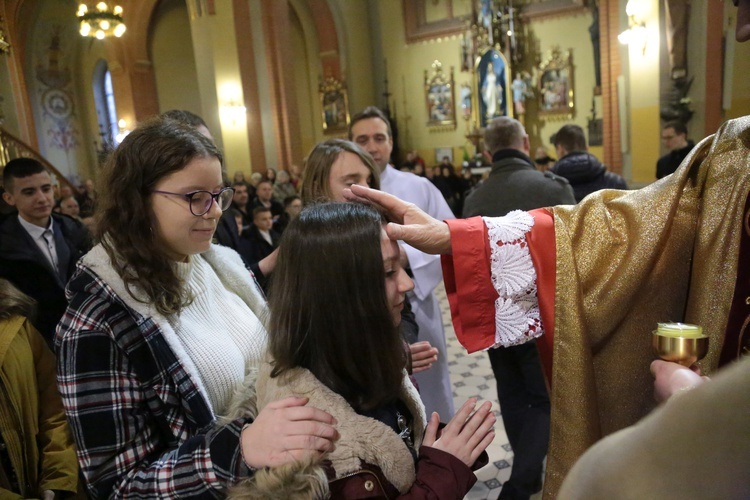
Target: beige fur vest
[{"x": 362, "y": 439}]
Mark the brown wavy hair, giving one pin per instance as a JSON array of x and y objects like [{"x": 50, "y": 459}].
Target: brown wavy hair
[
  {"x": 13, "y": 302},
  {"x": 316, "y": 185},
  {"x": 125, "y": 217},
  {"x": 329, "y": 308}
]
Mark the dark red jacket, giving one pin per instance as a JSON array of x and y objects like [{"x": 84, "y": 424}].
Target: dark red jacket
[{"x": 440, "y": 475}]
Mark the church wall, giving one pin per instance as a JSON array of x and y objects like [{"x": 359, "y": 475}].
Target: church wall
[
  {"x": 173, "y": 58},
  {"x": 355, "y": 43},
  {"x": 9, "y": 113},
  {"x": 229, "y": 87},
  {"x": 307, "y": 70},
  {"x": 55, "y": 88},
  {"x": 642, "y": 77},
  {"x": 406, "y": 67},
  {"x": 67, "y": 130},
  {"x": 261, "y": 86},
  {"x": 407, "y": 63},
  {"x": 737, "y": 102},
  {"x": 569, "y": 32},
  {"x": 740, "y": 102},
  {"x": 696, "y": 69}
]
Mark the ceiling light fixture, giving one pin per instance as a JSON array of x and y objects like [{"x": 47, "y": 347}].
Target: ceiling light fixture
[{"x": 101, "y": 21}]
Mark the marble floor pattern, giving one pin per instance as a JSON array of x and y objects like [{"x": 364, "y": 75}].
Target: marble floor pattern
[{"x": 472, "y": 376}]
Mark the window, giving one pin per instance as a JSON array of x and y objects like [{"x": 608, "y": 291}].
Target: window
[{"x": 106, "y": 111}]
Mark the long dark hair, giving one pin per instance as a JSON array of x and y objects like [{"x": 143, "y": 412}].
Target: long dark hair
[
  {"x": 152, "y": 151},
  {"x": 329, "y": 309}
]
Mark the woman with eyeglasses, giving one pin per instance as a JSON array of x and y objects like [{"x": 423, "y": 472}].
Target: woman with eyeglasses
[{"x": 162, "y": 326}]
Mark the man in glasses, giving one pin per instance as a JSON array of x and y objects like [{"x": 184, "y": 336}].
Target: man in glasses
[{"x": 674, "y": 136}]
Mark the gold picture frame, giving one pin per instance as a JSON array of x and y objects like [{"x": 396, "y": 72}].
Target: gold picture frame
[
  {"x": 556, "y": 84},
  {"x": 334, "y": 104},
  {"x": 417, "y": 27},
  {"x": 439, "y": 97},
  {"x": 543, "y": 9}
]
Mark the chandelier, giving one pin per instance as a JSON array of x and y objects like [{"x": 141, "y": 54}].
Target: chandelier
[{"x": 101, "y": 21}]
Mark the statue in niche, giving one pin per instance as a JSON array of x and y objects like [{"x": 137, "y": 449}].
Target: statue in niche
[
  {"x": 677, "y": 18},
  {"x": 521, "y": 87},
  {"x": 493, "y": 87},
  {"x": 492, "y": 93},
  {"x": 677, "y": 102},
  {"x": 466, "y": 101}
]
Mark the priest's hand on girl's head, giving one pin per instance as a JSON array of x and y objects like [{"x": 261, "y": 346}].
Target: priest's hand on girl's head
[{"x": 408, "y": 222}]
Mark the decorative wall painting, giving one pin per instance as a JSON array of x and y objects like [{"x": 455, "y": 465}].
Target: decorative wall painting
[
  {"x": 556, "y": 84},
  {"x": 439, "y": 97},
  {"x": 335, "y": 106}
]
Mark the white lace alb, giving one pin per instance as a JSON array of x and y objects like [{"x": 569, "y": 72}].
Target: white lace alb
[{"x": 517, "y": 316}]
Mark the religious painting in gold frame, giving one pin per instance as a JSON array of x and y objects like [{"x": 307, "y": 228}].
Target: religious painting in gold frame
[
  {"x": 334, "y": 104},
  {"x": 556, "y": 84},
  {"x": 439, "y": 97}
]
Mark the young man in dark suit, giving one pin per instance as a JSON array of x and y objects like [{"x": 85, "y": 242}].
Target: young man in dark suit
[{"x": 38, "y": 249}]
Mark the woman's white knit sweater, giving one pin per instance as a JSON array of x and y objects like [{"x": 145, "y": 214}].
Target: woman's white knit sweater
[{"x": 220, "y": 333}]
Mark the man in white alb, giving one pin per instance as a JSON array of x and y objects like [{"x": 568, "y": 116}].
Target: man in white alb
[{"x": 371, "y": 130}]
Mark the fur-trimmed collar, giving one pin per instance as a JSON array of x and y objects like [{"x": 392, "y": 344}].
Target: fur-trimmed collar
[
  {"x": 228, "y": 266},
  {"x": 362, "y": 439}
]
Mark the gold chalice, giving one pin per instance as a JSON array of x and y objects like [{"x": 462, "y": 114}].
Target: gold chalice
[{"x": 680, "y": 343}]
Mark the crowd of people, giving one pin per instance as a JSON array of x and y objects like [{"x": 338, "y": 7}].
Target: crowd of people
[
  {"x": 581, "y": 169},
  {"x": 281, "y": 337},
  {"x": 150, "y": 271}
]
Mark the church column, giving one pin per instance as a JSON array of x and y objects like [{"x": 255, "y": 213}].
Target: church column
[
  {"x": 133, "y": 79},
  {"x": 279, "y": 57},
  {"x": 16, "y": 24},
  {"x": 643, "y": 94},
  {"x": 219, "y": 80},
  {"x": 328, "y": 42},
  {"x": 249, "y": 77},
  {"x": 714, "y": 68},
  {"x": 609, "y": 25}
]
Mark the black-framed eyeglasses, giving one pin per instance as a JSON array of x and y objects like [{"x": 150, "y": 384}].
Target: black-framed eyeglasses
[{"x": 200, "y": 201}]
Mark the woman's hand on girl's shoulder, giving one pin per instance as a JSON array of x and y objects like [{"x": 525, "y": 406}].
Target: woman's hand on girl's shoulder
[
  {"x": 286, "y": 431},
  {"x": 467, "y": 435}
]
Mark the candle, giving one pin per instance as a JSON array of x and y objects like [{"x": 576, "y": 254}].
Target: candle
[{"x": 680, "y": 330}]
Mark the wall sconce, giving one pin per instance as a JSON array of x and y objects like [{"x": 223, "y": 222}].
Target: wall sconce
[
  {"x": 231, "y": 108},
  {"x": 636, "y": 34},
  {"x": 233, "y": 112},
  {"x": 123, "y": 131}
]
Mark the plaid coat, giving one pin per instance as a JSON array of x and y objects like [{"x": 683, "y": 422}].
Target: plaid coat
[{"x": 141, "y": 419}]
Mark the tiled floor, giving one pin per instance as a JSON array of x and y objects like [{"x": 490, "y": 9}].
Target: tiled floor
[{"x": 472, "y": 376}]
